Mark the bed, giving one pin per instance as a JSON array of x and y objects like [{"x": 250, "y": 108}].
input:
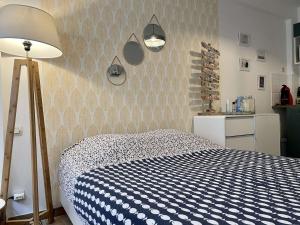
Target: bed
[{"x": 168, "y": 177}]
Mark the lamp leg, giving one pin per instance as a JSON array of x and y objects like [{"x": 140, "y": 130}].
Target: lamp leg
[
  {"x": 35, "y": 99},
  {"x": 10, "y": 128},
  {"x": 35, "y": 191},
  {"x": 43, "y": 142}
]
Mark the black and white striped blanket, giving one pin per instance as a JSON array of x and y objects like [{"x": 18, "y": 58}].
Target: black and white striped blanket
[{"x": 204, "y": 187}]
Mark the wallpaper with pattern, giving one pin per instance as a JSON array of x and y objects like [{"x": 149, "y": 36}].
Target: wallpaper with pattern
[{"x": 78, "y": 99}]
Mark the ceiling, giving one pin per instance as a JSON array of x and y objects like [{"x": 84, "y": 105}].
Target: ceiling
[{"x": 282, "y": 8}]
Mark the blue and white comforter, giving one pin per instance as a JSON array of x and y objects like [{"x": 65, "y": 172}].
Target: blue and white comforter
[{"x": 206, "y": 187}]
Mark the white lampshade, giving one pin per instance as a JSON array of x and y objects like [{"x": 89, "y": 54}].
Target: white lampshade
[{"x": 19, "y": 23}]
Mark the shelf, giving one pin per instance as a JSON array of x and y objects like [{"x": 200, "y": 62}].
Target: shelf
[
  {"x": 225, "y": 114},
  {"x": 284, "y": 106}
]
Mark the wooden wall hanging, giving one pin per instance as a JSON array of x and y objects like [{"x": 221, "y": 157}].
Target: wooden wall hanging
[{"x": 205, "y": 81}]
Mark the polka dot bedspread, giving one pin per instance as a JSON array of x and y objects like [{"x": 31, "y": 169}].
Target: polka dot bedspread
[{"x": 196, "y": 186}]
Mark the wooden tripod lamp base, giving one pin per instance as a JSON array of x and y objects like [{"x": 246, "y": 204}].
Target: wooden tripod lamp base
[{"x": 35, "y": 106}]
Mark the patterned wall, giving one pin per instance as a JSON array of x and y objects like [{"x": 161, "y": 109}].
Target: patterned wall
[{"x": 78, "y": 99}]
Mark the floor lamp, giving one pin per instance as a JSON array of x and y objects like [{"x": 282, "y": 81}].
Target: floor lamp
[{"x": 30, "y": 33}]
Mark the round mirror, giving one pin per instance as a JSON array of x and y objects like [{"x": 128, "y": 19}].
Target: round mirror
[
  {"x": 116, "y": 73},
  {"x": 133, "y": 52},
  {"x": 154, "y": 37}
]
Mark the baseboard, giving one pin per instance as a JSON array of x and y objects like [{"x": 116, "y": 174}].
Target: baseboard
[{"x": 57, "y": 212}]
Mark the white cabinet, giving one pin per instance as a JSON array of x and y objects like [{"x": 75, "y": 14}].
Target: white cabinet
[
  {"x": 235, "y": 126},
  {"x": 245, "y": 142},
  {"x": 260, "y": 132}
]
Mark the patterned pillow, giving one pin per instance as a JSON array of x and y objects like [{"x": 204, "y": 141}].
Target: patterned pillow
[{"x": 109, "y": 149}]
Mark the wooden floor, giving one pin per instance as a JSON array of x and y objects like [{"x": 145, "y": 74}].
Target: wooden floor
[{"x": 62, "y": 220}]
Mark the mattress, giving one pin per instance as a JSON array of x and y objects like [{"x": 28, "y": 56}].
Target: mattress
[
  {"x": 69, "y": 209},
  {"x": 202, "y": 185}
]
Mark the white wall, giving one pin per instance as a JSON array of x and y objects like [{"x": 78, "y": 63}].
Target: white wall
[
  {"x": 282, "y": 8},
  {"x": 267, "y": 32},
  {"x": 20, "y": 177}
]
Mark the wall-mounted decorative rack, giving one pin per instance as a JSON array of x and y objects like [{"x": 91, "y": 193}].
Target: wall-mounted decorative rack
[{"x": 206, "y": 79}]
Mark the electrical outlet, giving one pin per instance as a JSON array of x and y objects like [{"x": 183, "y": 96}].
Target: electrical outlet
[
  {"x": 18, "y": 131},
  {"x": 19, "y": 196}
]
